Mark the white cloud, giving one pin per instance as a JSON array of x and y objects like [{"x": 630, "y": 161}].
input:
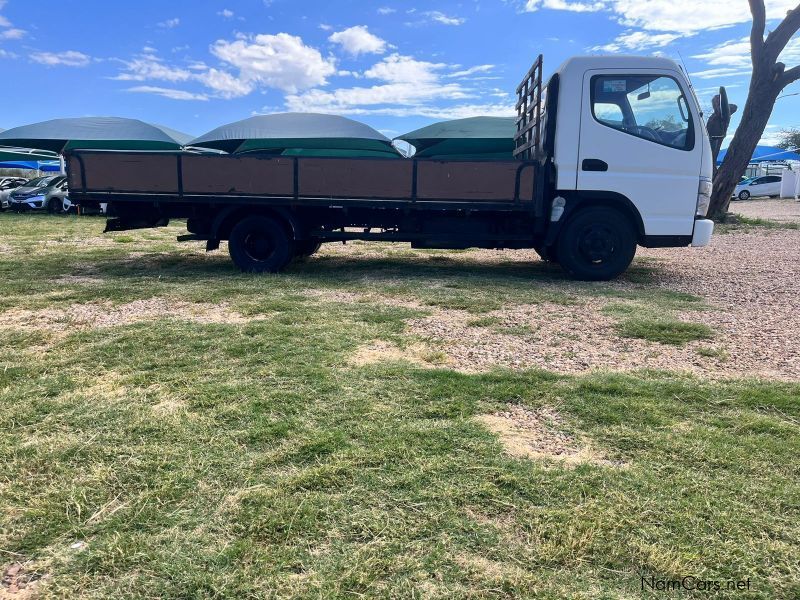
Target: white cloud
[
  {"x": 404, "y": 69},
  {"x": 406, "y": 87},
  {"x": 385, "y": 10},
  {"x": 149, "y": 67},
  {"x": 534, "y": 5},
  {"x": 444, "y": 19},
  {"x": 358, "y": 40},
  {"x": 12, "y": 34},
  {"x": 690, "y": 16},
  {"x": 279, "y": 61},
  {"x": 472, "y": 71},
  {"x": 226, "y": 13},
  {"x": 170, "y": 23},
  {"x": 732, "y": 58},
  {"x": 225, "y": 84},
  {"x": 168, "y": 93},
  {"x": 638, "y": 40},
  {"x": 721, "y": 72},
  {"x": 70, "y": 58}
]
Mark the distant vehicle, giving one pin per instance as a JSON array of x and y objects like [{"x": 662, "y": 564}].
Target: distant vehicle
[
  {"x": 769, "y": 185},
  {"x": 44, "y": 193},
  {"x": 8, "y": 185}
]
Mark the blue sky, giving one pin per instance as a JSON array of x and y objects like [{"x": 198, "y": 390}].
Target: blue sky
[{"x": 196, "y": 64}]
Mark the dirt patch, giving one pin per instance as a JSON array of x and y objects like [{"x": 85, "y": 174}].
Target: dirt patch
[
  {"x": 379, "y": 351},
  {"x": 19, "y": 582},
  {"x": 749, "y": 280},
  {"x": 539, "y": 434},
  {"x": 100, "y": 315}
]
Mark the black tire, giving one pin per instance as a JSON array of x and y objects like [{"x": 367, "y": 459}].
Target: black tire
[
  {"x": 55, "y": 206},
  {"x": 306, "y": 248},
  {"x": 744, "y": 195},
  {"x": 548, "y": 255},
  {"x": 596, "y": 244},
  {"x": 260, "y": 244}
]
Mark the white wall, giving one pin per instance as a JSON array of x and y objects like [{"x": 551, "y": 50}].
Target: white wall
[{"x": 790, "y": 184}]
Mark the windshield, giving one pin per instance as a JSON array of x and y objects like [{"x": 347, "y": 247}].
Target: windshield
[{"x": 40, "y": 182}]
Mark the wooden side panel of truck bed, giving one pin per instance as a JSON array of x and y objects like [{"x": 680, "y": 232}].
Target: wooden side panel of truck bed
[{"x": 190, "y": 176}]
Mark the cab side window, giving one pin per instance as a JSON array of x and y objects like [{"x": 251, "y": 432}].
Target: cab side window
[{"x": 651, "y": 107}]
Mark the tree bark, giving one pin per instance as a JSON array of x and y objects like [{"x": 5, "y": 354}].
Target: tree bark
[{"x": 748, "y": 134}]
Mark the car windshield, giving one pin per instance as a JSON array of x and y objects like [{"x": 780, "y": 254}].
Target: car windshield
[{"x": 40, "y": 182}]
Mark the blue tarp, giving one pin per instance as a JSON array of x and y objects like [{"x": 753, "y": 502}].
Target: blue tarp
[
  {"x": 765, "y": 154},
  {"x": 32, "y": 165}
]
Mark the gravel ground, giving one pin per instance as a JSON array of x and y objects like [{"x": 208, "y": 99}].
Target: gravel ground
[
  {"x": 750, "y": 280},
  {"x": 786, "y": 211}
]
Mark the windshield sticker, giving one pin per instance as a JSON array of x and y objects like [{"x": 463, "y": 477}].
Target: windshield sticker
[{"x": 615, "y": 85}]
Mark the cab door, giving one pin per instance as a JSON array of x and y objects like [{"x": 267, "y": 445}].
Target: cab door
[{"x": 639, "y": 139}]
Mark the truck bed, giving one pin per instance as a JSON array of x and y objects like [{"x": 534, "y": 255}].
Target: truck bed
[{"x": 134, "y": 176}]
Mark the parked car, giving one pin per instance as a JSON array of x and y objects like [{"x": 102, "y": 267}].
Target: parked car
[
  {"x": 44, "y": 193},
  {"x": 8, "y": 185},
  {"x": 768, "y": 185}
]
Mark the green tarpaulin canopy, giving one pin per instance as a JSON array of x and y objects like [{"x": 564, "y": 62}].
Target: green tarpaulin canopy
[
  {"x": 299, "y": 134},
  {"x": 475, "y": 137},
  {"x": 97, "y": 133}
]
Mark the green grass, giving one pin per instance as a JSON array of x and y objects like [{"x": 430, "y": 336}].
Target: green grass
[
  {"x": 741, "y": 222},
  {"x": 664, "y": 331},
  {"x": 254, "y": 460}
]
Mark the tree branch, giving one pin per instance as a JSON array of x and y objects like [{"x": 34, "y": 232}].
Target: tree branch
[
  {"x": 757, "y": 32},
  {"x": 790, "y": 76},
  {"x": 777, "y": 40}
]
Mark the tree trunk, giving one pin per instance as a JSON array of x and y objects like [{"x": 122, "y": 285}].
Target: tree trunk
[{"x": 745, "y": 140}]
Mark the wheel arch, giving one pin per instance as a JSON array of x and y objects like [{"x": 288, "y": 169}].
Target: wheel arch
[
  {"x": 227, "y": 218},
  {"x": 577, "y": 201}
]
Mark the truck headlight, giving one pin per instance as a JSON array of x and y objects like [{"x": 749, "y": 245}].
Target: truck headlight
[{"x": 703, "y": 197}]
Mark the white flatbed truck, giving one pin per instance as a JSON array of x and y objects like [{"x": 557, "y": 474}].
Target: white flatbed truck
[{"x": 611, "y": 153}]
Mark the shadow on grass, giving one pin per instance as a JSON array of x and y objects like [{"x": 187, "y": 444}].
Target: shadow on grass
[{"x": 344, "y": 269}]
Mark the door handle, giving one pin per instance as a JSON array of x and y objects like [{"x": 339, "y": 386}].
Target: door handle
[{"x": 594, "y": 164}]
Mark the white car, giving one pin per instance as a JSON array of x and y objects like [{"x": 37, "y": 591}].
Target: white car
[
  {"x": 768, "y": 185},
  {"x": 8, "y": 185}
]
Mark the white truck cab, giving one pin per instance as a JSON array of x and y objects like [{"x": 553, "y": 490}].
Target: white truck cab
[{"x": 630, "y": 129}]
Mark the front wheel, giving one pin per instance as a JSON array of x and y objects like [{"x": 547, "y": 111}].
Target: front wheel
[
  {"x": 597, "y": 244},
  {"x": 744, "y": 195},
  {"x": 55, "y": 206},
  {"x": 260, "y": 244}
]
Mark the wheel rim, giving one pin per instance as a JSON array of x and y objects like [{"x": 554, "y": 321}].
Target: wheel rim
[
  {"x": 597, "y": 244},
  {"x": 258, "y": 246}
]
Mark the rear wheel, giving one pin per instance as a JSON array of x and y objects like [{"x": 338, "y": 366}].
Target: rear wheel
[
  {"x": 55, "y": 206},
  {"x": 260, "y": 244},
  {"x": 744, "y": 195},
  {"x": 306, "y": 248},
  {"x": 596, "y": 244}
]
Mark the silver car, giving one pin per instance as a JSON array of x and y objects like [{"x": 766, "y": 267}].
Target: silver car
[{"x": 44, "y": 193}]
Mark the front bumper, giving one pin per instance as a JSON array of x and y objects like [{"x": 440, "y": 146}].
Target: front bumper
[
  {"x": 25, "y": 204},
  {"x": 703, "y": 230}
]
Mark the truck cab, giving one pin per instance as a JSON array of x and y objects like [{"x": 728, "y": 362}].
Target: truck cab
[{"x": 630, "y": 134}]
